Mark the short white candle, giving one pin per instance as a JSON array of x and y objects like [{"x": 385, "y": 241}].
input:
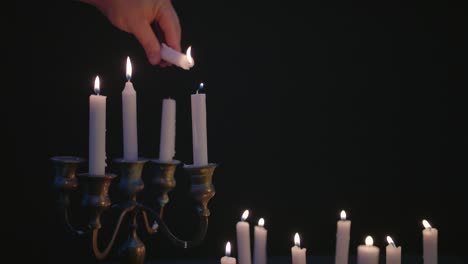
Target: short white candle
[
  {"x": 260, "y": 242},
  {"x": 298, "y": 254},
  {"x": 199, "y": 137},
  {"x": 392, "y": 252},
  {"x": 168, "y": 126},
  {"x": 185, "y": 61},
  {"x": 227, "y": 259},
  {"x": 368, "y": 253},
  {"x": 97, "y": 131},
  {"x": 243, "y": 239},
  {"x": 429, "y": 243},
  {"x": 129, "y": 118},
  {"x": 343, "y": 228}
]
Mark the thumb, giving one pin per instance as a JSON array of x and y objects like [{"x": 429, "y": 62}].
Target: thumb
[{"x": 145, "y": 35}]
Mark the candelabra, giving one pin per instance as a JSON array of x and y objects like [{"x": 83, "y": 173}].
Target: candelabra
[{"x": 96, "y": 201}]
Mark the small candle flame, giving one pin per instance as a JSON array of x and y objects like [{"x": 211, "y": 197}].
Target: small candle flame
[
  {"x": 297, "y": 240},
  {"x": 189, "y": 56},
  {"x": 369, "y": 241},
  {"x": 390, "y": 241},
  {"x": 201, "y": 87},
  {"x": 245, "y": 215},
  {"x": 261, "y": 222},
  {"x": 129, "y": 69},
  {"x": 228, "y": 249},
  {"x": 426, "y": 224},
  {"x": 97, "y": 85},
  {"x": 343, "y": 215}
]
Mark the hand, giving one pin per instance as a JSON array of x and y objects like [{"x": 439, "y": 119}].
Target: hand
[{"x": 137, "y": 16}]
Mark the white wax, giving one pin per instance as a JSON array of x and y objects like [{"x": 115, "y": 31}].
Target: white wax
[
  {"x": 228, "y": 260},
  {"x": 129, "y": 118},
  {"x": 171, "y": 55},
  {"x": 97, "y": 134},
  {"x": 260, "y": 242},
  {"x": 343, "y": 228},
  {"x": 199, "y": 137},
  {"x": 298, "y": 255},
  {"x": 243, "y": 242},
  {"x": 168, "y": 124},
  {"x": 430, "y": 245},
  {"x": 368, "y": 254},
  {"x": 392, "y": 255}
]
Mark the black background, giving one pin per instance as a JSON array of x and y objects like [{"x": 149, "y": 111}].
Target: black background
[{"x": 338, "y": 105}]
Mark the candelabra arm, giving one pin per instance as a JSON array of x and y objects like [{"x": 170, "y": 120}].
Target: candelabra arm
[
  {"x": 71, "y": 228},
  {"x": 148, "y": 228},
  {"x": 100, "y": 255},
  {"x": 201, "y": 232}
]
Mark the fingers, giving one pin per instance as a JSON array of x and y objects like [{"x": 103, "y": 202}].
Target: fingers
[
  {"x": 170, "y": 26},
  {"x": 145, "y": 35}
]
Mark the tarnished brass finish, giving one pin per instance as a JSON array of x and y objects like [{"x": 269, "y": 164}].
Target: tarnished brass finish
[
  {"x": 130, "y": 182},
  {"x": 202, "y": 188},
  {"x": 96, "y": 200},
  {"x": 164, "y": 179},
  {"x": 96, "y": 196},
  {"x": 65, "y": 168}
]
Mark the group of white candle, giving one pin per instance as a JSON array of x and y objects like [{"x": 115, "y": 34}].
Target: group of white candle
[
  {"x": 366, "y": 254},
  {"x": 97, "y": 123},
  {"x": 243, "y": 243}
]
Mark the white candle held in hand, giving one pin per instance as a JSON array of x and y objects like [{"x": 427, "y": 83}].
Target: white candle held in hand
[
  {"x": 298, "y": 254},
  {"x": 429, "y": 243},
  {"x": 260, "y": 236},
  {"x": 97, "y": 131},
  {"x": 168, "y": 126},
  {"x": 392, "y": 252},
  {"x": 343, "y": 228},
  {"x": 368, "y": 253},
  {"x": 243, "y": 239},
  {"x": 129, "y": 118},
  {"x": 199, "y": 137},
  {"x": 227, "y": 259},
  {"x": 184, "y": 61}
]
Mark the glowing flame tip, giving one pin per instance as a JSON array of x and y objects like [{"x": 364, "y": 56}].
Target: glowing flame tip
[
  {"x": 390, "y": 241},
  {"x": 228, "y": 249},
  {"x": 343, "y": 215},
  {"x": 189, "y": 55},
  {"x": 297, "y": 240},
  {"x": 369, "y": 241},
  {"x": 245, "y": 215},
  {"x": 97, "y": 85},
  {"x": 426, "y": 224},
  {"x": 129, "y": 69},
  {"x": 261, "y": 222}
]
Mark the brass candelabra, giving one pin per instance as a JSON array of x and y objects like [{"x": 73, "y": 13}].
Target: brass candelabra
[{"x": 96, "y": 201}]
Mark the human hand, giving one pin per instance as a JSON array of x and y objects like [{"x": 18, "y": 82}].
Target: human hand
[{"x": 137, "y": 16}]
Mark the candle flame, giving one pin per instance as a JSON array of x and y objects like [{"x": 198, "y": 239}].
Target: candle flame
[
  {"x": 97, "y": 85},
  {"x": 189, "y": 56},
  {"x": 297, "y": 240},
  {"x": 129, "y": 69},
  {"x": 369, "y": 241},
  {"x": 261, "y": 222},
  {"x": 228, "y": 249},
  {"x": 426, "y": 224},
  {"x": 245, "y": 215},
  {"x": 390, "y": 241},
  {"x": 343, "y": 215}
]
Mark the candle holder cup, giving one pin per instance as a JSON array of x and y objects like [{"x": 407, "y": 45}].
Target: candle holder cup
[{"x": 96, "y": 201}]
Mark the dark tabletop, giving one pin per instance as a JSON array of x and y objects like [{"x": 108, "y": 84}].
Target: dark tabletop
[{"x": 312, "y": 260}]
